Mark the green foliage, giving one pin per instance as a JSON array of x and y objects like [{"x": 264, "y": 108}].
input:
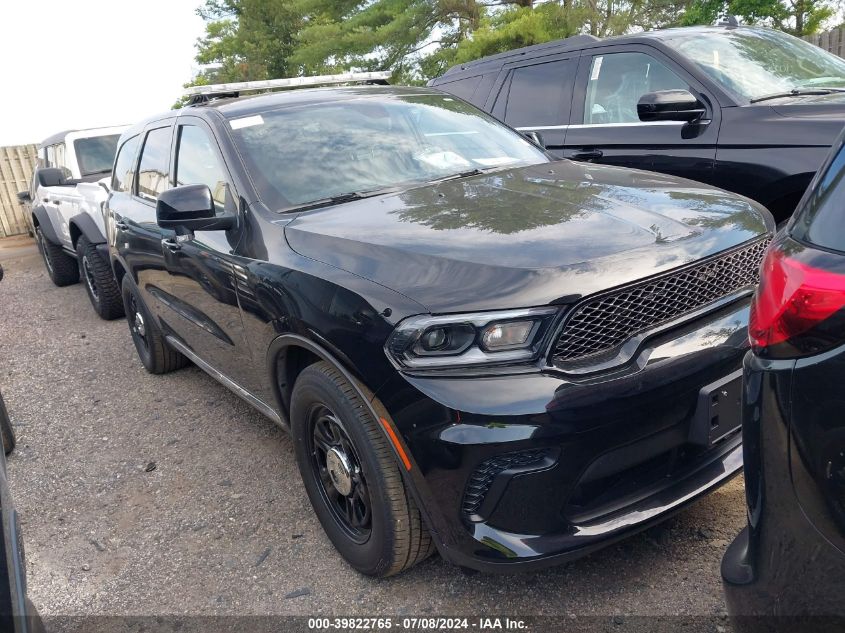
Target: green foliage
[
  {"x": 798, "y": 17},
  {"x": 420, "y": 39}
]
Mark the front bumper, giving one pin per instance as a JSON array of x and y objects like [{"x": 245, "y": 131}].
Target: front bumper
[{"x": 527, "y": 470}]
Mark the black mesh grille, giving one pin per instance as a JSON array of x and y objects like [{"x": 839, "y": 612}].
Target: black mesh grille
[
  {"x": 606, "y": 321},
  {"x": 483, "y": 476}
]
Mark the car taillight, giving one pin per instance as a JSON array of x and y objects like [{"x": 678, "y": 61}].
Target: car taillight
[{"x": 793, "y": 307}]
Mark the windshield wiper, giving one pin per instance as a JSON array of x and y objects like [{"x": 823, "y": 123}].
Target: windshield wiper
[
  {"x": 460, "y": 174},
  {"x": 797, "y": 92},
  {"x": 341, "y": 198}
]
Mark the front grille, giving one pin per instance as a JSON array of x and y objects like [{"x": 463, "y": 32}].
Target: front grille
[
  {"x": 483, "y": 476},
  {"x": 604, "y": 322}
]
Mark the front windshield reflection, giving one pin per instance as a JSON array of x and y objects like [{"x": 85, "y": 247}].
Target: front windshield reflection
[
  {"x": 302, "y": 154},
  {"x": 761, "y": 62}
]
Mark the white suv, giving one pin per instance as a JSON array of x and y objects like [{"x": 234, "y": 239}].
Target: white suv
[{"x": 69, "y": 187}]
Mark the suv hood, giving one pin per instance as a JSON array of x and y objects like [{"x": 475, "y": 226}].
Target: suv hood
[
  {"x": 526, "y": 236},
  {"x": 829, "y": 106}
]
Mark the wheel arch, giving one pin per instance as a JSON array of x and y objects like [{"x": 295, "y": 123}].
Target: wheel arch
[
  {"x": 41, "y": 220},
  {"x": 83, "y": 224},
  {"x": 786, "y": 194},
  {"x": 288, "y": 349}
]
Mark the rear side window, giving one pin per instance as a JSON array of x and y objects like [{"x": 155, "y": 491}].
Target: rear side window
[
  {"x": 124, "y": 166},
  {"x": 540, "y": 95},
  {"x": 153, "y": 170},
  {"x": 463, "y": 88},
  {"x": 822, "y": 220}
]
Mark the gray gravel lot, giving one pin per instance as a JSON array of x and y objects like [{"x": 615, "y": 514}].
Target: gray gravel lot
[{"x": 150, "y": 495}]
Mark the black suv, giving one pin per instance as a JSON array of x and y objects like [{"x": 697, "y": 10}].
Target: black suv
[
  {"x": 475, "y": 348},
  {"x": 790, "y": 560},
  {"x": 750, "y": 110}
]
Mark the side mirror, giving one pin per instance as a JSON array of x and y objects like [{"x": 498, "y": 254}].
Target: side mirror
[
  {"x": 190, "y": 208},
  {"x": 670, "y": 105},
  {"x": 23, "y": 196},
  {"x": 54, "y": 177},
  {"x": 535, "y": 137}
]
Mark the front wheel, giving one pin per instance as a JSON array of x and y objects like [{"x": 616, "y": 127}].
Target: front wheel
[
  {"x": 100, "y": 283},
  {"x": 352, "y": 478}
]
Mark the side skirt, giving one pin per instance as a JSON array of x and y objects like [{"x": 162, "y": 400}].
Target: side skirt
[{"x": 227, "y": 382}]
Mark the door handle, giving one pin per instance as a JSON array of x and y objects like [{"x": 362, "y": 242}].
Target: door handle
[
  {"x": 56, "y": 201},
  {"x": 120, "y": 224},
  {"x": 170, "y": 244},
  {"x": 587, "y": 154}
]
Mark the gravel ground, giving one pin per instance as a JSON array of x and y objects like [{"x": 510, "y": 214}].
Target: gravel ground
[{"x": 153, "y": 495}]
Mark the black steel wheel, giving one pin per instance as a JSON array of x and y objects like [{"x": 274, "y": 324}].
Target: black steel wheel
[
  {"x": 337, "y": 468},
  {"x": 352, "y": 477},
  {"x": 155, "y": 354}
]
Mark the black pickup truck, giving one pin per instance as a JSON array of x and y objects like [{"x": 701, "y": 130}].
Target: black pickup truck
[{"x": 750, "y": 110}]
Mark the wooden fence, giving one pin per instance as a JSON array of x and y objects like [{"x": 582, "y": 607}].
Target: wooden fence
[
  {"x": 16, "y": 166},
  {"x": 832, "y": 41}
]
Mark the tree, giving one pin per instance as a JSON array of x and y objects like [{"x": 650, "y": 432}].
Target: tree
[
  {"x": 247, "y": 39},
  {"x": 798, "y": 17}
]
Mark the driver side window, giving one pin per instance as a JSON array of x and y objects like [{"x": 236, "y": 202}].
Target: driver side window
[
  {"x": 197, "y": 163},
  {"x": 616, "y": 83}
]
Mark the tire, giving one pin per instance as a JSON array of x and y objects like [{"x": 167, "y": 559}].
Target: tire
[
  {"x": 7, "y": 433},
  {"x": 99, "y": 281},
  {"x": 156, "y": 355},
  {"x": 61, "y": 267},
  {"x": 327, "y": 411}
]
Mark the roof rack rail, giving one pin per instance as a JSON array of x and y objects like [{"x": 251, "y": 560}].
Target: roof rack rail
[{"x": 201, "y": 94}]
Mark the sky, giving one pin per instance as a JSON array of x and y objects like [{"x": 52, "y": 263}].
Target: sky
[{"x": 91, "y": 63}]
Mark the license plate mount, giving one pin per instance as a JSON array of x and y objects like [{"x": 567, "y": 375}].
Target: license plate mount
[{"x": 719, "y": 410}]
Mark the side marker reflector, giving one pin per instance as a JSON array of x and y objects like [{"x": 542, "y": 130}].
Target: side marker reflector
[{"x": 392, "y": 435}]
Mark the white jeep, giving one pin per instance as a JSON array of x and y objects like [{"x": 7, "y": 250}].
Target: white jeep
[{"x": 68, "y": 189}]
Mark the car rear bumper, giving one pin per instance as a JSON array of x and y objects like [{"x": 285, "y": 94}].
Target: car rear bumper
[
  {"x": 781, "y": 573},
  {"x": 528, "y": 470}
]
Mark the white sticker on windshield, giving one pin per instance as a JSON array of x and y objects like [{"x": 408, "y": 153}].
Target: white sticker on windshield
[
  {"x": 247, "y": 121},
  {"x": 596, "y": 68}
]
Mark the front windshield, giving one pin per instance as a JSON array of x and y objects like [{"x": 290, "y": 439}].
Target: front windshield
[
  {"x": 760, "y": 62},
  {"x": 302, "y": 154},
  {"x": 95, "y": 154}
]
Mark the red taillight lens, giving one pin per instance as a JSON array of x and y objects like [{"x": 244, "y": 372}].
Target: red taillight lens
[{"x": 792, "y": 300}]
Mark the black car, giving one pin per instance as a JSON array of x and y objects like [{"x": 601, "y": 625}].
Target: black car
[
  {"x": 790, "y": 560},
  {"x": 750, "y": 110},
  {"x": 475, "y": 348}
]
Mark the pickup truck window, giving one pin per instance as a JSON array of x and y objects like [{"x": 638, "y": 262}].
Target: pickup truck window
[
  {"x": 124, "y": 165},
  {"x": 153, "y": 173},
  {"x": 617, "y": 81},
  {"x": 95, "y": 154},
  {"x": 197, "y": 163},
  {"x": 756, "y": 63}
]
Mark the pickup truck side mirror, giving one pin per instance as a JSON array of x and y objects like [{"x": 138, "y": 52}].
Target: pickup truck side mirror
[
  {"x": 191, "y": 208},
  {"x": 54, "y": 177},
  {"x": 23, "y": 196},
  {"x": 670, "y": 105}
]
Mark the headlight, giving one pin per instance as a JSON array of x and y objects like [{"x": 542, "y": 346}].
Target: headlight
[{"x": 460, "y": 340}]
